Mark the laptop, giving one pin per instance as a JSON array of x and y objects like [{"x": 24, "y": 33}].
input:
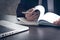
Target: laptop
[{"x": 8, "y": 28}]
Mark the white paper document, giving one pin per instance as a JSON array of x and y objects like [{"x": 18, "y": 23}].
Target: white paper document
[{"x": 50, "y": 17}]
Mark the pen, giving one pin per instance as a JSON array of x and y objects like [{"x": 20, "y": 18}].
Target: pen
[{"x": 27, "y": 12}]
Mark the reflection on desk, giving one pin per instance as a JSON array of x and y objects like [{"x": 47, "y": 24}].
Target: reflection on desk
[{"x": 34, "y": 33}]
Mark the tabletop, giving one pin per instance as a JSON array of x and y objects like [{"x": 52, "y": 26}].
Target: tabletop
[{"x": 34, "y": 32}]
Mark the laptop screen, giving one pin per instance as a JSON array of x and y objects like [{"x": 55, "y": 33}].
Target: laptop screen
[{"x": 4, "y": 29}]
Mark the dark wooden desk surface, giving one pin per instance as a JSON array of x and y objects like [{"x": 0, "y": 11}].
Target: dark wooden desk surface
[{"x": 35, "y": 33}]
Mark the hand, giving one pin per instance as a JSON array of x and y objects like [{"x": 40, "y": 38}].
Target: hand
[
  {"x": 31, "y": 15},
  {"x": 57, "y": 22}
]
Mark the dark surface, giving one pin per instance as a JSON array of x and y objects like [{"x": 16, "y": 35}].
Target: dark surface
[{"x": 34, "y": 33}]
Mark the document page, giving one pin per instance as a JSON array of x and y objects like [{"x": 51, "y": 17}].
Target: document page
[{"x": 50, "y": 17}]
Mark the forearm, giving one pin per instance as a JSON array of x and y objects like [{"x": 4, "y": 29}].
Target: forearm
[
  {"x": 19, "y": 11},
  {"x": 20, "y": 8}
]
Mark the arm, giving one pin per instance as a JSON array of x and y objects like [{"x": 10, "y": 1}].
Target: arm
[
  {"x": 25, "y": 5},
  {"x": 20, "y": 8}
]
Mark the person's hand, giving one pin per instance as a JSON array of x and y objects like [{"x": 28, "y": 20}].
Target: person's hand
[
  {"x": 31, "y": 15},
  {"x": 57, "y": 22}
]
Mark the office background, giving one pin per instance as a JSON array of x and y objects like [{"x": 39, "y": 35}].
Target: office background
[{"x": 9, "y": 6}]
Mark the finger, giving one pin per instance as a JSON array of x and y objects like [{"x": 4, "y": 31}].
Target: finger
[
  {"x": 55, "y": 22},
  {"x": 58, "y": 22},
  {"x": 31, "y": 18},
  {"x": 30, "y": 13},
  {"x": 34, "y": 17},
  {"x": 35, "y": 14},
  {"x": 59, "y": 19}
]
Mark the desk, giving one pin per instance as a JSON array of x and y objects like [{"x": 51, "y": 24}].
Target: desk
[{"x": 35, "y": 33}]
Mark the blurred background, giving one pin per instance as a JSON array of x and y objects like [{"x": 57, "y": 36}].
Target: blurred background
[{"x": 8, "y": 6}]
